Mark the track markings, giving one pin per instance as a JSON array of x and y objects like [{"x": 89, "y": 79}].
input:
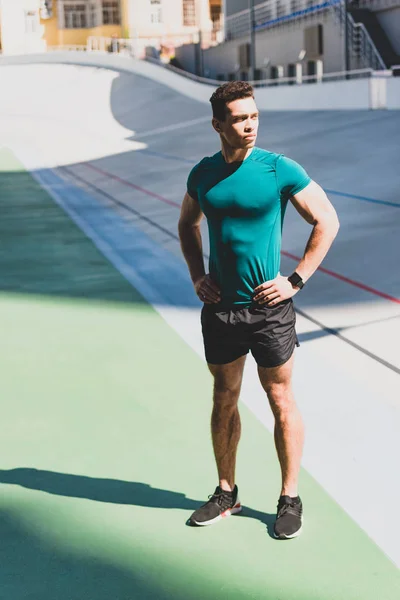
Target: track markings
[
  {"x": 173, "y": 127},
  {"x": 343, "y": 278}
]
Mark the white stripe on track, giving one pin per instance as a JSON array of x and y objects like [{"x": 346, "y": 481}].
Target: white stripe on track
[{"x": 173, "y": 127}]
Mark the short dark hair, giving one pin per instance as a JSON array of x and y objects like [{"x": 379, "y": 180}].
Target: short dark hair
[{"x": 233, "y": 90}]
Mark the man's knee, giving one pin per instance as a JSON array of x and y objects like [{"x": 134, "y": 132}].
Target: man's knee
[
  {"x": 227, "y": 381},
  {"x": 226, "y": 391},
  {"x": 281, "y": 399}
]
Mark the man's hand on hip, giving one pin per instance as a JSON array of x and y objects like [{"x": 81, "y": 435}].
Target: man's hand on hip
[
  {"x": 207, "y": 290},
  {"x": 274, "y": 291}
]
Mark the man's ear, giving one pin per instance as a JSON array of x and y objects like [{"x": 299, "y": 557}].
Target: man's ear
[{"x": 216, "y": 125}]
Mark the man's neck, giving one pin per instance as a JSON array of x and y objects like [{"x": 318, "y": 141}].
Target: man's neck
[{"x": 235, "y": 154}]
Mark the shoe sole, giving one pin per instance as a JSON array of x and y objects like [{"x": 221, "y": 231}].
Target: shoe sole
[
  {"x": 288, "y": 537},
  {"x": 231, "y": 511}
]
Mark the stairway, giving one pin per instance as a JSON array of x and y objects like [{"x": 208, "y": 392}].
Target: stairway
[{"x": 377, "y": 33}]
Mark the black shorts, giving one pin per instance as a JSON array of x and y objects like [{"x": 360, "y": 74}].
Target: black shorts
[{"x": 268, "y": 332}]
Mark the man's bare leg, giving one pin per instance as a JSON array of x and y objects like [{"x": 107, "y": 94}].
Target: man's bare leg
[
  {"x": 289, "y": 429},
  {"x": 225, "y": 419}
]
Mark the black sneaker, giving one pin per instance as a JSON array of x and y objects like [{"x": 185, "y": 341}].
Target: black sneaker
[
  {"x": 220, "y": 505},
  {"x": 289, "y": 518}
]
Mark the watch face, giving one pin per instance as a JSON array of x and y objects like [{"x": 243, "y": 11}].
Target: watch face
[{"x": 296, "y": 280}]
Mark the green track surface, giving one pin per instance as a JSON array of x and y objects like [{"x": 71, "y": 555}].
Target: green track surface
[{"x": 106, "y": 449}]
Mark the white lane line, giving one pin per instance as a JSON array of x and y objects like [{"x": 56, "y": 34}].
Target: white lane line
[{"x": 173, "y": 127}]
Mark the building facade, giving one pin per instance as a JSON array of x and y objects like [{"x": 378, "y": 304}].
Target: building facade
[
  {"x": 33, "y": 25},
  {"x": 297, "y": 39},
  {"x": 21, "y": 31},
  {"x": 71, "y": 22}
]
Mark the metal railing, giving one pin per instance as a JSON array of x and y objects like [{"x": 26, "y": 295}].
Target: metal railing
[
  {"x": 273, "y": 13},
  {"x": 362, "y": 50},
  {"x": 299, "y": 79},
  {"x": 276, "y": 12},
  {"x": 183, "y": 73},
  {"x": 123, "y": 46},
  {"x": 258, "y": 83},
  {"x": 323, "y": 78},
  {"x": 374, "y": 4},
  {"x": 141, "y": 46},
  {"x": 67, "y": 48}
]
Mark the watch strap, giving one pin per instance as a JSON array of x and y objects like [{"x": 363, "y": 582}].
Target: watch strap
[{"x": 296, "y": 280}]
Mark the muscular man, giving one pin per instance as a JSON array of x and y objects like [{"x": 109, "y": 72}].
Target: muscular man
[{"x": 243, "y": 191}]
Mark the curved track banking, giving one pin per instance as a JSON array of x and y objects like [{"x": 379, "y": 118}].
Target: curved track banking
[{"x": 114, "y": 151}]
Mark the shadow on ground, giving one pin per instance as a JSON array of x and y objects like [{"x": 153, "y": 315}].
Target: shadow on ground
[
  {"x": 112, "y": 490},
  {"x": 31, "y": 567},
  {"x": 44, "y": 252}
]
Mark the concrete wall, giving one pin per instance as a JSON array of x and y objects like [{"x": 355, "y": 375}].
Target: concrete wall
[
  {"x": 281, "y": 46},
  {"x": 234, "y": 6},
  {"x": 341, "y": 95},
  {"x": 15, "y": 38},
  {"x": 390, "y": 21},
  {"x": 393, "y": 93},
  {"x": 51, "y": 26},
  {"x": 187, "y": 57}
]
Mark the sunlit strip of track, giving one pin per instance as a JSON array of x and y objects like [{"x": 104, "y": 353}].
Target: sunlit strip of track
[
  {"x": 128, "y": 208},
  {"x": 339, "y": 335}
]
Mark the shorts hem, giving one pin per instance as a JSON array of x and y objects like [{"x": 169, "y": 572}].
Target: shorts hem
[
  {"x": 225, "y": 362},
  {"x": 278, "y": 364}
]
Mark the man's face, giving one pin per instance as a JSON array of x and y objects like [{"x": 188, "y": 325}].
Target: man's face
[{"x": 241, "y": 123}]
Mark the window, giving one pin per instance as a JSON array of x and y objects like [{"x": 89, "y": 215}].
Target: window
[
  {"x": 215, "y": 14},
  {"x": 82, "y": 14},
  {"x": 94, "y": 16},
  {"x": 280, "y": 8},
  {"x": 75, "y": 16},
  {"x": 155, "y": 11},
  {"x": 189, "y": 13},
  {"x": 291, "y": 72},
  {"x": 111, "y": 14},
  {"x": 31, "y": 21}
]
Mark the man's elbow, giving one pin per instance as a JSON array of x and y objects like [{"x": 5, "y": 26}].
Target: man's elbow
[
  {"x": 183, "y": 223},
  {"x": 335, "y": 224},
  {"x": 330, "y": 224},
  {"x": 185, "y": 227}
]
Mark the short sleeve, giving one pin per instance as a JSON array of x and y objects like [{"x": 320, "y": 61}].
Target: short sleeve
[
  {"x": 291, "y": 177},
  {"x": 192, "y": 184}
]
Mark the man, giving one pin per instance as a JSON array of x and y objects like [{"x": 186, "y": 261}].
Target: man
[{"x": 243, "y": 192}]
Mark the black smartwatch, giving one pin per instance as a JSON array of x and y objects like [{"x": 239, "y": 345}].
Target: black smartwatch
[{"x": 296, "y": 280}]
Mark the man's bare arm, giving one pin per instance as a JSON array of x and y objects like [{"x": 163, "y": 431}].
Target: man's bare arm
[
  {"x": 315, "y": 208},
  {"x": 313, "y": 205},
  {"x": 192, "y": 248}
]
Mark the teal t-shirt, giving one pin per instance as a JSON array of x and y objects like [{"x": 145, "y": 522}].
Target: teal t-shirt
[{"x": 244, "y": 203}]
